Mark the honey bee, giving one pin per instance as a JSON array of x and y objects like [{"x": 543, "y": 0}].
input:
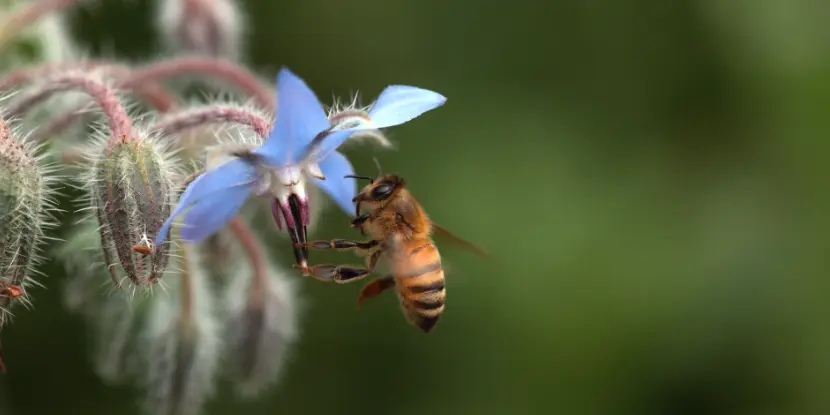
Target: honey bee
[{"x": 401, "y": 233}]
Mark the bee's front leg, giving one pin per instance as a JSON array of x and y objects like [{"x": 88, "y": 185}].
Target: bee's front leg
[
  {"x": 359, "y": 221},
  {"x": 342, "y": 244}
]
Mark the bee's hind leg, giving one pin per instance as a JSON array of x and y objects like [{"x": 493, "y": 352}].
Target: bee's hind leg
[
  {"x": 337, "y": 273},
  {"x": 375, "y": 288}
]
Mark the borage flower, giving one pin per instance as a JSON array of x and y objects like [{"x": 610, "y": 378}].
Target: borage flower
[{"x": 301, "y": 146}]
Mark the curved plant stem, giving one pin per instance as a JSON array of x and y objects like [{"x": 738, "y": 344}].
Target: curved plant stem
[
  {"x": 119, "y": 122},
  {"x": 186, "y": 275},
  {"x": 254, "y": 252},
  {"x": 219, "y": 68},
  {"x": 215, "y": 114}
]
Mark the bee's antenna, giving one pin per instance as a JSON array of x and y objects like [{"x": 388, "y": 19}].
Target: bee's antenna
[
  {"x": 358, "y": 177},
  {"x": 377, "y": 163}
]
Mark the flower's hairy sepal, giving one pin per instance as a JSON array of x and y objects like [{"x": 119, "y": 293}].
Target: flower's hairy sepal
[
  {"x": 131, "y": 190},
  {"x": 396, "y": 104},
  {"x": 26, "y": 209},
  {"x": 341, "y": 115},
  {"x": 182, "y": 341}
]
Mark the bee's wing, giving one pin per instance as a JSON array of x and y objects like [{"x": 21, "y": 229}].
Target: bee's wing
[{"x": 438, "y": 230}]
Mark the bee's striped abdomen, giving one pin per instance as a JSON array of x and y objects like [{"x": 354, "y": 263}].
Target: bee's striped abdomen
[{"x": 420, "y": 282}]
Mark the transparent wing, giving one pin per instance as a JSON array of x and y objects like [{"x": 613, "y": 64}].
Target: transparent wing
[{"x": 445, "y": 234}]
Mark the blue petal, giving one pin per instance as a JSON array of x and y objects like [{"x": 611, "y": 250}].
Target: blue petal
[
  {"x": 398, "y": 104},
  {"x": 339, "y": 188},
  {"x": 299, "y": 118},
  {"x": 236, "y": 173},
  {"x": 330, "y": 143},
  {"x": 212, "y": 213}
]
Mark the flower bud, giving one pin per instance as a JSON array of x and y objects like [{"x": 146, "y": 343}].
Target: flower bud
[
  {"x": 261, "y": 326},
  {"x": 205, "y": 27},
  {"x": 181, "y": 341},
  {"x": 25, "y": 210},
  {"x": 118, "y": 323},
  {"x": 258, "y": 304},
  {"x": 131, "y": 188}
]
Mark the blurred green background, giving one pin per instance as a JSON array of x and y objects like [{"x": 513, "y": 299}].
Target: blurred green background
[{"x": 649, "y": 175}]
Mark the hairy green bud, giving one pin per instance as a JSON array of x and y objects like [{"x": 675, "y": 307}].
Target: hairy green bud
[
  {"x": 25, "y": 205},
  {"x": 132, "y": 188}
]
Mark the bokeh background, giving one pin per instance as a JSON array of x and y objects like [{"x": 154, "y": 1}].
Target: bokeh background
[{"x": 648, "y": 174}]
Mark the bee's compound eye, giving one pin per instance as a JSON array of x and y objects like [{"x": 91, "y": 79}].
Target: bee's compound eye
[{"x": 382, "y": 191}]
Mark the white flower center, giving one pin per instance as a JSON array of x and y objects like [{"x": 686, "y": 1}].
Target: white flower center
[{"x": 281, "y": 182}]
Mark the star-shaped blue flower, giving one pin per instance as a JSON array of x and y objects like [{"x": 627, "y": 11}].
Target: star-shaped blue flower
[{"x": 301, "y": 145}]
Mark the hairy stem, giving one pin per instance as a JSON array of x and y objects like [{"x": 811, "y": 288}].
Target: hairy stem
[
  {"x": 119, "y": 122},
  {"x": 154, "y": 93},
  {"x": 254, "y": 252},
  {"x": 160, "y": 98},
  {"x": 237, "y": 75},
  {"x": 5, "y": 133},
  {"x": 27, "y": 15},
  {"x": 217, "y": 114},
  {"x": 23, "y": 75}
]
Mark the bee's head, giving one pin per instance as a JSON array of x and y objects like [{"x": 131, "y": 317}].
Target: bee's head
[{"x": 378, "y": 192}]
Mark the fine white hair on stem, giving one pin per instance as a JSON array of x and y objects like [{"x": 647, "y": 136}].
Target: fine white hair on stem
[{"x": 228, "y": 114}]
